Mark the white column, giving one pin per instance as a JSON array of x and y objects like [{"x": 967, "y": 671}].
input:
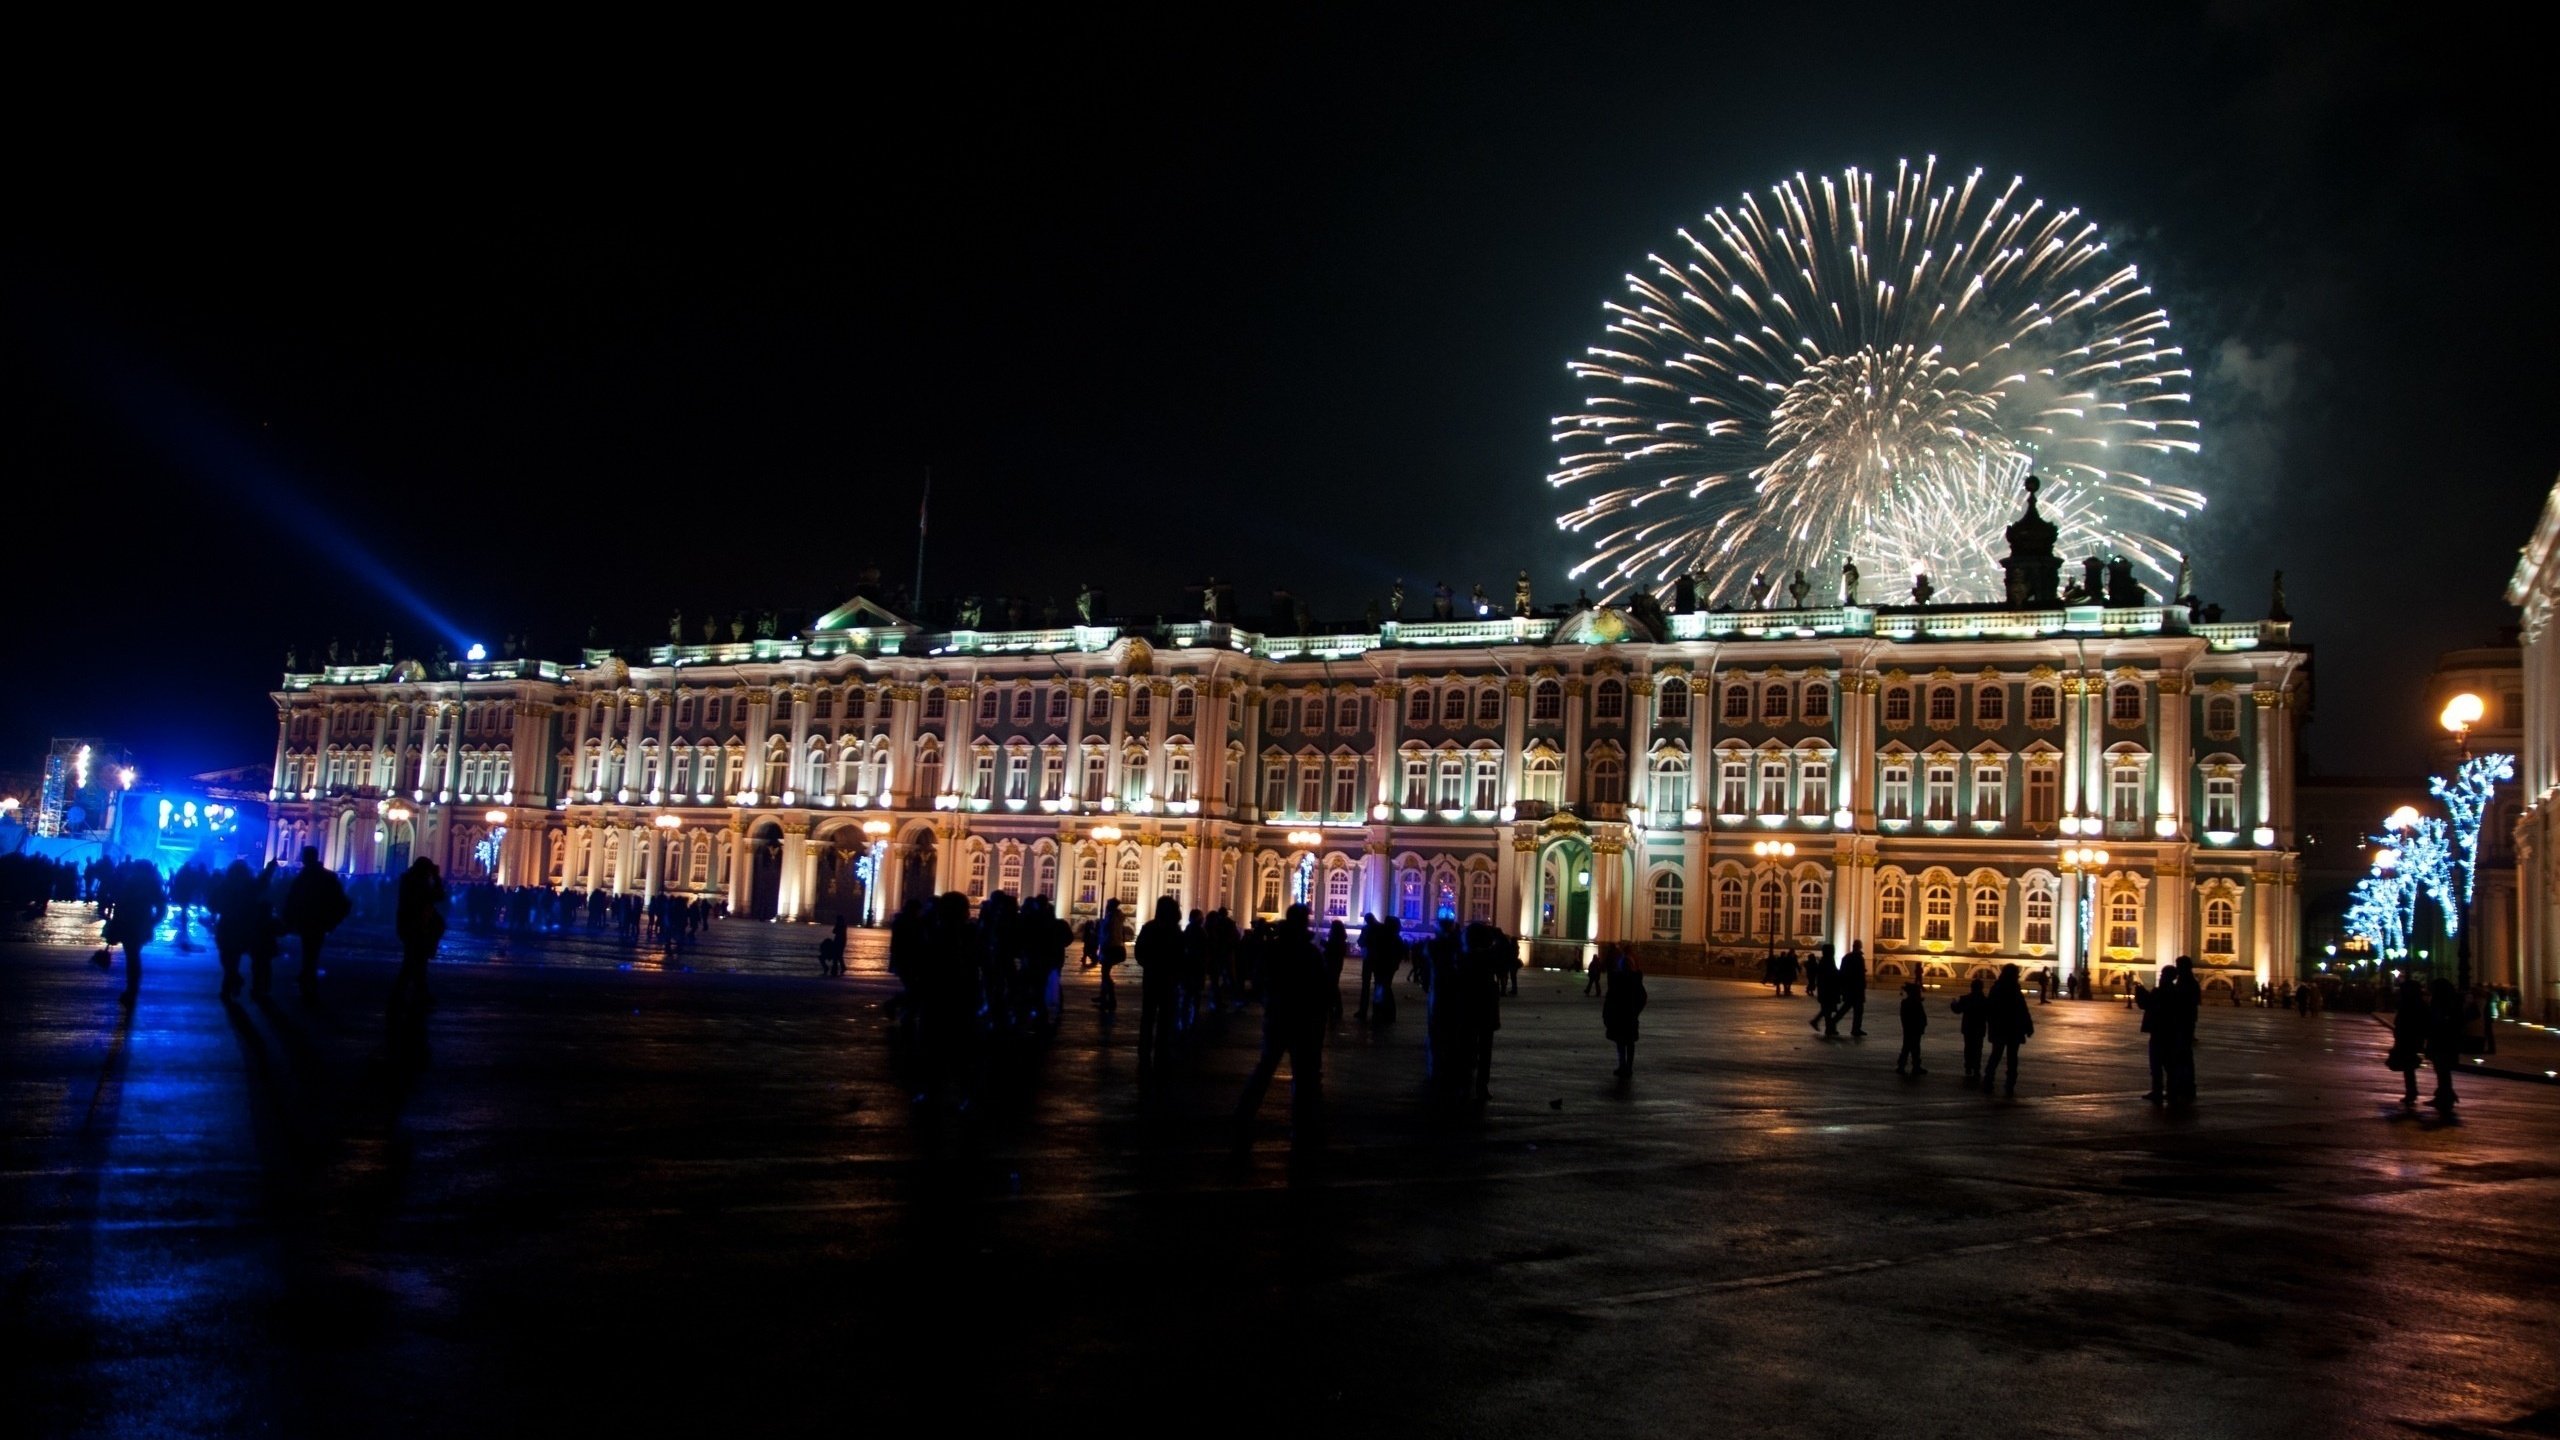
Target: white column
[
  {"x": 2073, "y": 743},
  {"x": 2072, "y": 951},
  {"x": 903, "y": 701},
  {"x": 275, "y": 775},
  {"x": 1111, "y": 777},
  {"x": 1159, "y": 716},
  {"x": 1575, "y": 687},
  {"x": 1387, "y": 699},
  {"x": 2265, "y": 766},
  {"x": 577, "y": 777},
  {"x": 1515, "y": 736},
  {"x": 379, "y": 773},
  {"x": 1073, "y": 789},
  {"x": 795, "y": 779},
  {"x": 759, "y": 719},
  {"x": 2174, "y": 767}
]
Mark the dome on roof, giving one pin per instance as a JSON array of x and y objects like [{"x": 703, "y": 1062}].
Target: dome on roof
[{"x": 1601, "y": 625}]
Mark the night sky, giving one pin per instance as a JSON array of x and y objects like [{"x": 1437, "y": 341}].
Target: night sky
[{"x": 680, "y": 323}]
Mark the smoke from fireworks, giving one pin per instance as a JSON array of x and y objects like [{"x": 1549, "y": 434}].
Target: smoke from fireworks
[{"x": 1856, "y": 370}]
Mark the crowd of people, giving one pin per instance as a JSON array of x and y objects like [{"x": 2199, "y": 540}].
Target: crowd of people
[{"x": 969, "y": 974}]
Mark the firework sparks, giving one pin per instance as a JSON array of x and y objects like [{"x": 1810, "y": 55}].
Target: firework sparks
[{"x": 1855, "y": 369}]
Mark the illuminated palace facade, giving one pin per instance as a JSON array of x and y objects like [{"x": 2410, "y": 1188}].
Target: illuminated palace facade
[{"x": 1939, "y": 782}]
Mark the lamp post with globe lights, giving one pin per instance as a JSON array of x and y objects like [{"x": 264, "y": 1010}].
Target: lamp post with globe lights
[
  {"x": 1775, "y": 852},
  {"x": 2088, "y": 861},
  {"x": 875, "y": 835}
]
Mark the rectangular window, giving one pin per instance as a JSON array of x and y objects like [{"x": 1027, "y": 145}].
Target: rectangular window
[
  {"x": 1773, "y": 787},
  {"x": 1017, "y": 775},
  {"x": 1275, "y": 787},
  {"x": 1813, "y": 783},
  {"x": 1310, "y": 787},
  {"x": 1097, "y": 775},
  {"x": 1671, "y": 702},
  {"x": 1990, "y": 791},
  {"x": 1453, "y": 782},
  {"x": 2044, "y": 795},
  {"x": 2125, "y": 793},
  {"x": 857, "y": 703},
  {"x": 2044, "y": 706},
  {"x": 1671, "y": 790},
  {"x": 1346, "y": 788},
  {"x": 1893, "y": 800},
  {"x": 1488, "y": 783},
  {"x": 1177, "y": 778},
  {"x": 2222, "y": 803},
  {"x": 2124, "y": 704},
  {"x": 1546, "y": 703},
  {"x": 1053, "y": 774},
  {"x": 982, "y": 783},
  {"x": 1942, "y": 792},
  {"x": 1733, "y": 787},
  {"x": 1417, "y": 783}
]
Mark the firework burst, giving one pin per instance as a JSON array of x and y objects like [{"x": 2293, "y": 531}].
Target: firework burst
[{"x": 1855, "y": 369}]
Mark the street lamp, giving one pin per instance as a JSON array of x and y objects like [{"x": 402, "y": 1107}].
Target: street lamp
[
  {"x": 875, "y": 832},
  {"x": 1106, "y": 833},
  {"x": 1774, "y": 849},
  {"x": 2088, "y": 860},
  {"x": 2461, "y": 713}
]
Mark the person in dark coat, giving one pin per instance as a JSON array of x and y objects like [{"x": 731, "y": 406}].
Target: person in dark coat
[
  {"x": 418, "y": 919},
  {"x": 1619, "y": 1009},
  {"x": 239, "y": 918},
  {"x": 2444, "y": 1039},
  {"x": 1293, "y": 1027},
  {"x": 1822, "y": 977},
  {"x": 1915, "y": 1023},
  {"x": 1853, "y": 994},
  {"x": 2176, "y": 1030},
  {"x": 2410, "y": 1022},
  {"x": 1159, "y": 981},
  {"x": 1973, "y": 1021},
  {"x": 2145, "y": 997},
  {"x": 1337, "y": 955},
  {"x": 1114, "y": 950},
  {"x": 139, "y": 908},
  {"x": 315, "y": 904},
  {"x": 2011, "y": 1023}
]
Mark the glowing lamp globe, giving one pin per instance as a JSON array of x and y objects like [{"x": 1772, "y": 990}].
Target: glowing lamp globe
[
  {"x": 2462, "y": 712},
  {"x": 495, "y": 817},
  {"x": 2263, "y": 836},
  {"x": 2164, "y": 827}
]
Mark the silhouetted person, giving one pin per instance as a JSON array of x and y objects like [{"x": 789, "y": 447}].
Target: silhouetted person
[
  {"x": 2174, "y": 1026},
  {"x": 418, "y": 920},
  {"x": 1915, "y": 1023},
  {"x": 314, "y": 905},
  {"x": 1337, "y": 957},
  {"x": 1595, "y": 971},
  {"x": 1973, "y": 1021},
  {"x": 1853, "y": 994},
  {"x": 2410, "y": 1024},
  {"x": 1292, "y": 1026},
  {"x": 1822, "y": 977},
  {"x": 239, "y": 917},
  {"x": 1379, "y": 947},
  {"x": 139, "y": 907},
  {"x": 2444, "y": 1037},
  {"x": 1619, "y": 1008},
  {"x": 2147, "y": 999},
  {"x": 1112, "y": 950},
  {"x": 1159, "y": 981},
  {"x": 2011, "y": 1023}
]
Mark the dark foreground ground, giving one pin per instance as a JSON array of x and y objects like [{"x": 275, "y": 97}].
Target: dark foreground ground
[{"x": 614, "y": 1202}]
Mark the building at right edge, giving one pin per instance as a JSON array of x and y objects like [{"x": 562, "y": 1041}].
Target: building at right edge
[{"x": 2537, "y": 833}]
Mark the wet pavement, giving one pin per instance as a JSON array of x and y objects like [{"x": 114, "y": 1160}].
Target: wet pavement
[{"x": 650, "y": 1201}]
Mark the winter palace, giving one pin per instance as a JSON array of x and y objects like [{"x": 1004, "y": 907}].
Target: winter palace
[{"x": 2046, "y": 781}]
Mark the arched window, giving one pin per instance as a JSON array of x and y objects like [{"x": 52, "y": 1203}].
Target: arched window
[
  {"x": 1893, "y": 910},
  {"x": 1142, "y": 700},
  {"x": 1172, "y": 878},
  {"x": 1897, "y": 705},
  {"x": 2124, "y": 704},
  {"x": 978, "y": 873},
  {"x": 1409, "y": 895},
  {"x": 1127, "y": 891},
  {"x": 2124, "y": 918},
  {"x": 1417, "y": 706},
  {"x": 1177, "y": 776},
  {"x": 1186, "y": 703},
  {"x": 1986, "y": 914},
  {"x": 1737, "y": 704},
  {"x": 928, "y": 776},
  {"x": 1057, "y": 704},
  {"x": 1817, "y": 702},
  {"x": 1088, "y": 883},
  {"x": 1670, "y": 782},
  {"x": 1990, "y": 705},
  {"x": 1609, "y": 702},
  {"x": 1608, "y": 781},
  {"x": 1097, "y": 704},
  {"x": 1666, "y": 904},
  {"x": 1024, "y": 699},
  {"x": 1009, "y": 871},
  {"x": 1937, "y": 912},
  {"x": 988, "y": 701},
  {"x": 1489, "y": 707},
  {"x": 2036, "y": 914},
  {"x": 1337, "y": 893},
  {"x": 1808, "y": 909},
  {"x": 1671, "y": 701},
  {"x": 857, "y": 703},
  {"x": 935, "y": 705},
  {"x": 1774, "y": 703},
  {"x": 2222, "y": 717},
  {"x": 2044, "y": 705},
  {"x": 1729, "y": 905},
  {"x": 1479, "y": 897},
  {"x": 1266, "y": 890},
  {"x": 1546, "y": 702},
  {"x": 1542, "y": 779},
  {"x": 2221, "y": 928},
  {"x": 1770, "y": 915}
]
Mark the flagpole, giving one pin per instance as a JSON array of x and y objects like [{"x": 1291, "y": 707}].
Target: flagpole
[{"x": 915, "y": 602}]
